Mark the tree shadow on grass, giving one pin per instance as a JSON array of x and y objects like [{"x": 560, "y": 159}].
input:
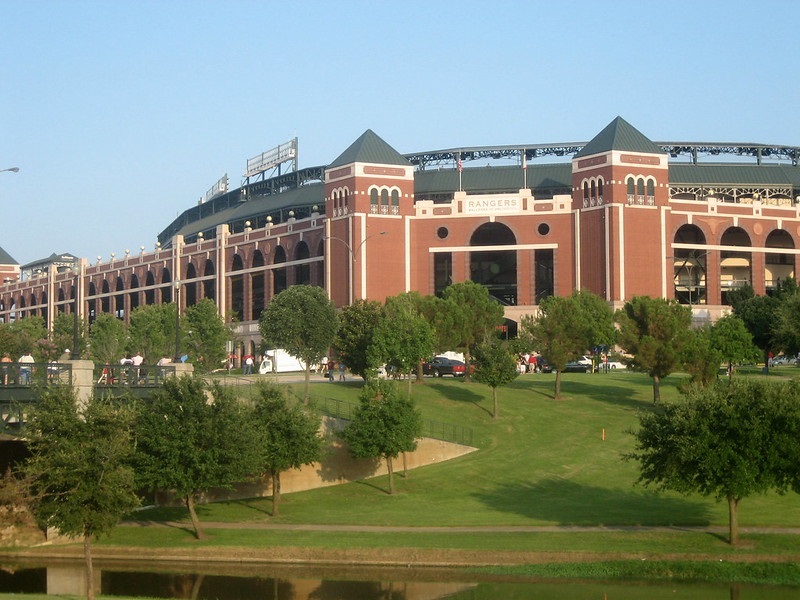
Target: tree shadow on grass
[
  {"x": 461, "y": 393},
  {"x": 569, "y": 503}
]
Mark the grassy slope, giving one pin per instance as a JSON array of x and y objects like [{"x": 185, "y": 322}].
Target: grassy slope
[{"x": 543, "y": 462}]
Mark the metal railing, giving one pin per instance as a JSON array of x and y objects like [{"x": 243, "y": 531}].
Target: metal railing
[
  {"x": 132, "y": 376},
  {"x": 15, "y": 374}
]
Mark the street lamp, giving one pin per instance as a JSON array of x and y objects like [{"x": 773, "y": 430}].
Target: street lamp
[
  {"x": 353, "y": 254},
  {"x": 177, "y": 284},
  {"x": 690, "y": 261}
]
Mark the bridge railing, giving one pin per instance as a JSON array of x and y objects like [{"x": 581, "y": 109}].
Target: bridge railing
[
  {"x": 24, "y": 375},
  {"x": 116, "y": 376}
]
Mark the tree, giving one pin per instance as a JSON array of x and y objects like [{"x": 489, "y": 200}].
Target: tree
[
  {"x": 79, "y": 472},
  {"x": 63, "y": 334},
  {"x": 565, "y": 327},
  {"x": 357, "y": 327},
  {"x": 402, "y": 337},
  {"x": 730, "y": 337},
  {"x": 206, "y": 335},
  {"x": 107, "y": 339},
  {"x": 655, "y": 331},
  {"x": 21, "y": 336},
  {"x": 700, "y": 358},
  {"x": 471, "y": 314},
  {"x": 190, "y": 444},
  {"x": 152, "y": 331},
  {"x": 729, "y": 441},
  {"x": 762, "y": 315},
  {"x": 287, "y": 437},
  {"x": 301, "y": 320},
  {"x": 787, "y": 325},
  {"x": 496, "y": 367},
  {"x": 385, "y": 424}
]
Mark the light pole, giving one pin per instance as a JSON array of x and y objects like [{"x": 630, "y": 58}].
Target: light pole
[
  {"x": 177, "y": 284},
  {"x": 690, "y": 261},
  {"x": 353, "y": 254}
]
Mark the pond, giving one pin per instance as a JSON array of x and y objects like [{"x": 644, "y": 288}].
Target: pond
[{"x": 271, "y": 582}]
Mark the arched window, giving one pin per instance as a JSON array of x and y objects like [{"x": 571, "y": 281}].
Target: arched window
[
  {"x": 640, "y": 190},
  {"x": 150, "y": 292},
  {"x": 631, "y": 190},
  {"x": 651, "y": 192},
  {"x": 495, "y": 269},
  {"x": 593, "y": 194},
  {"x": 373, "y": 200},
  {"x": 778, "y": 266},
  {"x": 166, "y": 287},
  {"x": 257, "y": 281},
  {"x": 237, "y": 288},
  {"x": 302, "y": 272},
  {"x": 279, "y": 275},
  {"x": 735, "y": 265},
  {"x": 191, "y": 286},
  {"x": 395, "y": 202},
  {"x": 600, "y": 191},
  {"x": 689, "y": 266},
  {"x": 209, "y": 285},
  {"x": 585, "y": 193}
]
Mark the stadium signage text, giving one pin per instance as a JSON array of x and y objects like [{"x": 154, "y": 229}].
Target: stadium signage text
[{"x": 492, "y": 205}]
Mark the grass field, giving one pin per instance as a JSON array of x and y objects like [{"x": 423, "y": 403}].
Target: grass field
[{"x": 541, "y": 463}]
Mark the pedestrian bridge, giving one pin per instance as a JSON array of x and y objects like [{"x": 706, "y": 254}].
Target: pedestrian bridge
[{"x": 22, "y": 384}]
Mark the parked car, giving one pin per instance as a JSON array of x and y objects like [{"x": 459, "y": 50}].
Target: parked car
[
  {"x": 439, "y": 366},
  {"x": 585, "y": 360},
  {"x": 576, "y": 367},
  {"x": 614, "y": 364},
  {"x": 543, "y": 366}
]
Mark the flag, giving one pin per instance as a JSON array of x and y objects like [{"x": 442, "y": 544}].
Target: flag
[{"x": 459, "y": 164}]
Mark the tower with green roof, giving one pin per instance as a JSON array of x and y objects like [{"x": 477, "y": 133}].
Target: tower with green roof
[
  {"x": 369, "y": 197},
  {"x": 620, "y": 198}
]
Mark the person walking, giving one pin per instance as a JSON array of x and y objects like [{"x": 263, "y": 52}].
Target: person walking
[{"x": 25, "y": 368}]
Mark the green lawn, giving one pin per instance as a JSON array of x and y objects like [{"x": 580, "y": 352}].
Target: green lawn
[{"x": 542, "y": 462}]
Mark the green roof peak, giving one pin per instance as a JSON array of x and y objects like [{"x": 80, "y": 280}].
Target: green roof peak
[
  {"x": 370, "y": 148},
  {"x": 619, "y": 135}
]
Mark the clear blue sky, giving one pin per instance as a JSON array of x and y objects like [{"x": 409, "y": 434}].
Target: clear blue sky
[{"x": 121, "y": 113}]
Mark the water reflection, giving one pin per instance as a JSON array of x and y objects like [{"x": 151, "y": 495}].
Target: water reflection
[{"x": 249, "y": 582}]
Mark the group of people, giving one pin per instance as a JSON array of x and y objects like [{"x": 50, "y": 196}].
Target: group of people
[
  {"x": 527, "y": 363},
  {"x": 22, "y": 373},
  {"x": 330, "y": 367}
]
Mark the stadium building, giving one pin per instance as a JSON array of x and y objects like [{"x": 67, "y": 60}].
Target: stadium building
[{"x": 620, "y": 215}]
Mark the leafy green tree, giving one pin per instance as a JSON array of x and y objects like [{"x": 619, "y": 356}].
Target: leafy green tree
[
  {"x": 728, "y": 441},
  {"x": 303, "y": 321},
  {"x": 655, "y": 331},
  {"x": 471, "y": 315},
  {"x": 701, "y": 359},
  {"x": 760, "y": 314},
  {"x": 206, "y": 335},
  {"x": 565, "y": 327},
  {"x": 496, "y": 367},
  {"x": 730, "y": 337},
  {"x": 402, "y": 337},
  {"x": 108, "y": 338},
  {"x": 63, "y": 335},
  {"x": 287, "y": 437},
  {"x": 787, "y": 325},
  {"x": 385, "y": 424},
  {"x": 188, "y": 444},
  {"x": 357, "y": 327},
  {"x": 21, "y": 336},
  {"x": 79, "y": 472},
  {"x": 152, "y": 331}
]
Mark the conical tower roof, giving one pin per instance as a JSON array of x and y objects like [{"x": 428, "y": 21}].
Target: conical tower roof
[
  {"x": 370, "y": 148},
  {"x": 619, "y": 135}
]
